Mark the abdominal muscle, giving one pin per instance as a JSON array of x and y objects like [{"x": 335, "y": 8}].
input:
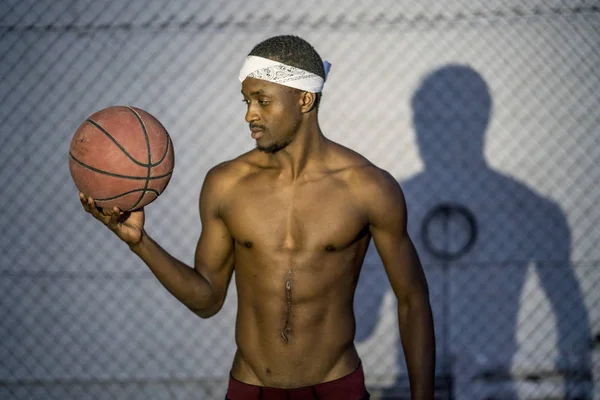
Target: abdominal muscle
[{"x": 295, "y": 326}]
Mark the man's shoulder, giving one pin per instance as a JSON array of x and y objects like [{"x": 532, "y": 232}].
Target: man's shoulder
[
  {"x": 234, "y": 169},
  {"x": 223, "y": 177},
  {"x": 375, "y": 190},
  {"x": 360, "y": 172}
]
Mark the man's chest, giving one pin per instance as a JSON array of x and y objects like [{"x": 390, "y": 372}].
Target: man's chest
[{"x": 314, "y": 216}]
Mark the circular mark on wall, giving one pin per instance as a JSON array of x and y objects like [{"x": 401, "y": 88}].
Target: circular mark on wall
[{"x": 449, "y": 231}]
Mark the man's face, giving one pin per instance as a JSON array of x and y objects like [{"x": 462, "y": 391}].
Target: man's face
[{"x": 274, "y": 113}]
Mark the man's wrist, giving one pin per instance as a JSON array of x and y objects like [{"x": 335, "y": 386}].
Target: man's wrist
[{"x": 140, "y": 245}]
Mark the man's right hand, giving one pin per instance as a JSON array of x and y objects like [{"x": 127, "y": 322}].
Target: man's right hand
[{"x": 128, "y": 226}]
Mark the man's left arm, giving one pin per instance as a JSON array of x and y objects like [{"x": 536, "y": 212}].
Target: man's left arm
[{"x": 387, "y": 216}]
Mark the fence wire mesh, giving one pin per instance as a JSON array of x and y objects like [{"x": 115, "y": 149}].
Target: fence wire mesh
[{"x": 485, "y": 112}]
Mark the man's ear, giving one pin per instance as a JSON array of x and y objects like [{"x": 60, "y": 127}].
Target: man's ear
[{"x": 308, "y": 100}]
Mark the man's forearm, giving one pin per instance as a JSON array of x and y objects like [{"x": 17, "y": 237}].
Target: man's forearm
[
  {"x": 182, "y": 281},
  {"x": 418, "y": 342}
]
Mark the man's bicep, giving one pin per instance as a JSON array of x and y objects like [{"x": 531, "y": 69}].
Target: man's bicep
[
  {"x": 214, "y": 252},
  {"x": 388, "y": 219},
  {"x": 214, "y": 260},
  {"x": 400, "y": 261}
]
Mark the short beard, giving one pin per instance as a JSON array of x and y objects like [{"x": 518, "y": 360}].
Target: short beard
[{"x": 274, "y": 147}]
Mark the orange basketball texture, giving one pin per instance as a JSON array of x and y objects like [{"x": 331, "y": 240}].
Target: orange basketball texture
[{"x": 121, "y": 156}]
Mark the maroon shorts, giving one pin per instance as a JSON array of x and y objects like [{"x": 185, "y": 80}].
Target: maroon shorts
[{"x": 349, "y": 387}]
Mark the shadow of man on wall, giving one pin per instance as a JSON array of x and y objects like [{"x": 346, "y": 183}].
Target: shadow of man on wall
[{"x": 509, "y": 313}]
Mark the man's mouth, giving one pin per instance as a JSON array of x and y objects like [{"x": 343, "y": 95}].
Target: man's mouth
[{"x": 257, "y": 131}]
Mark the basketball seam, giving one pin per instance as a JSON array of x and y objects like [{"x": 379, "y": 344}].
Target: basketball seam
[
  {"x": 141, "y": 164},
  {"x": 149, "y": 174},
  {"x": 97, "y": 125},
  {"x": 166, "y": 150},
  {"x": 129, "y": 192},
  {"x": 84, "y": 165}
]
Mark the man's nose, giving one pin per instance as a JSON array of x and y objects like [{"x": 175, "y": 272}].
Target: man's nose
[{"x": 252, "y": 114}]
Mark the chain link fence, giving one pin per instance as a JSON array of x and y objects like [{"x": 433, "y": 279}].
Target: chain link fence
[{"x": 485, "y": 112}]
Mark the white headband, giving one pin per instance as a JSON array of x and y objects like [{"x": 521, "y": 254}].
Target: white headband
[{"x": 276, "y": 72}]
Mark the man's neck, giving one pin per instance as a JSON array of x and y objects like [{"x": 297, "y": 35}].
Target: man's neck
[{"x": 305, "y": 151}]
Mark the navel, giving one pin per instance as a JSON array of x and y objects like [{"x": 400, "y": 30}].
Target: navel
[
  {"x": 248, "y": 244},
  {"x": 330, "y": 247}
]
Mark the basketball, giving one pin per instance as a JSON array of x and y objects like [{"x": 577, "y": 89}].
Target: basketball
[{"x": 121, "y": 156}]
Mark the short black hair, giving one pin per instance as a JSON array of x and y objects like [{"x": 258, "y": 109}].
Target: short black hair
[{"x": 291, "y": 50}]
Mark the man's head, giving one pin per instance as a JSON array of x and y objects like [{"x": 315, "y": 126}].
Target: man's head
[{"x": 276, "y": 110}]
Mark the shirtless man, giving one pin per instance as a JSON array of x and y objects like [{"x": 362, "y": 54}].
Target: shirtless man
[{"x": 294, "y": 218}]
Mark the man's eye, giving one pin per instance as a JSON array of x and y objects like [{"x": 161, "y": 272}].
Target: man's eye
[
  {"x": 263, "y": 102},
  {"x": 245, "y": 101}
]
